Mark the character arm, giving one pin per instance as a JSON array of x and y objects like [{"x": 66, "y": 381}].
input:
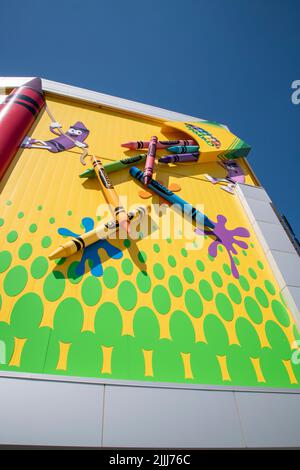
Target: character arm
[{"x": 54, "y": 126}]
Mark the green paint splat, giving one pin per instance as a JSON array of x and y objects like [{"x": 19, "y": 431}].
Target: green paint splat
[
  {"x": 244, "y": 283},
  {"x": 236, "y": 260},
  {"x": 91, "y": 291},
  {"x": 217, "y": 280},
  {"x": 68, "y": 320},
  {"x": 108, "y": 324},
  {"x": 211, "y": 258},
  {"x": 127, "y": 243},
  {"x": 200, "y": 265},
  {"x": 32, "y": 228},
  {"x": 188, "y": 275},
  {"x": 25, "y": 251},
  {"x": 175, "y": 286},
  {"x": 127, "y": 266},
  {"x": 260, "y": 265},
  {"x": 69, "y": 213},
  {"x": 127, "y": 295},
  {"x": 252, "y": 273},
  {"x": 39, "y": 208},
  {"x": 46, "y": 242},
  {"x": 1, "y": 221},
  {"x": 15, "y": 281},
  {"x": 146, "y": 328},
  {"x": 226, "y": 269},
  {"x": 26, "y": 315},
  {"x": 5, "y": 260},
  {"x": 244, "y": 252},
  {"x": 12, "y": 236},
  {"x": 156, "y": 248},
  {"x": 280, "y": 313},
  {"x": 158, "y": 271},
  {"x": 247, "y": 337},
  {"x": 253, "y": 310},
  {"x": 261, "y": 297},
  {"x": 216, "y": 334},
  {"x": 224, "y": 307},
  {"x": 184, "y": 252},
  {"x": 161, "y": 299},
  {"x": 193, "y": 303},
  {"x": 270, "y": 287},
  {"x": 143, "y": 281},
  {"x": 39, "y": 267},
  {"x": 54, "y": 286},
  {"x": 51, "y": 220},
  {"x": 171, "y": 261},
  {"x": 110, "y": 277},
  {"x": 182, "y": 331},
  {"x": 205, "y": 290},
  {"x": 20, "y": 215},
  {"x": 234, "y": 293}
]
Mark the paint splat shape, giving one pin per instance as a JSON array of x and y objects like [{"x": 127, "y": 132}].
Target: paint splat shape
[
  {"x": 91, "y": 253},
  {"x": 175, "y": 187},
  {"x": 227, "y": 238}
]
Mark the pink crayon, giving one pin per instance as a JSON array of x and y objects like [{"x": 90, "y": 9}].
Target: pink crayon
[
  {"x": 149, "y": 165},
  {"x": 161, "y": 144}
]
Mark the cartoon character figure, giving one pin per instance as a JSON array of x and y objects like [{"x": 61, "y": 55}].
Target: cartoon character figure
[
  {"x": 74, "y": 137},
  {"x": 234, "y": 175}
]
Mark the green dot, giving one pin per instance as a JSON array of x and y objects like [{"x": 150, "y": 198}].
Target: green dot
[
  {"x": 127, "y": 243},
  {"x": 143, "y": 281},
  {"x": 252, "y": 245},
  {"x": 216, "y": 334},
  {"x": 247, "y": 337},
  {"x": 39, "y": 208},
  {"x": 108, "y": 324},
  {"x": 146, "y": 328},
  {"x": 220, "y": 248},
  {"x": 33, "y": 228},
  {"x": 226, "y": 269},
  {"x": 68, "y": 320},
  {"x": 200, "y": 265},
  {"x": 127, "y": 266},
  {"x": 52, "y": 220},
  {"x": 234, "y": 293},
  {"x": 26, "y": 315},
  {"x": 8, "y": 203},
  {"x": 20, "y": 215},
  {"x": 127, "y": 295},
  {"x": 1, "y": 221},
  {"x": 158, "y": 271},
  {"x": 280, "y": 313},
  {"x": 244, "y": 283},
  {"x": 15, "y": 281},
  {"x": 73, "y": 277},
  {"x": 172, "y": 261},
  {"x": 260, "y": 265},
  {"x": 184, "y": 252},
  {"x": 142, "y": 257},
  {"x": 169, "y": 240},
  {"x": 206, "y": 290},
  {"x": 188, "y": 275},
  {"x": 91, "y": 291},
  {"x": 261, "y": 297},
  {"x": 46, "y": 242},
  {"x": 270, "y": 288},
  {"x": 69, "y": 213},
  {"x": 54, "y": 286},
  {"x": 156, "y": 248},
  {"x": 217, "y": 280},
  {"x": 224, "y": 307},
  {"x": 182, "y": 331},
  {"x": 282, "y": 299},
  {"x": 236, "y": 261},
  {"x": 252, "y": 273},
  {"x": 12, "y": 236},
  {"x": 110, "y": 277},
  {"x": 5, "y": 260},
  {"x": 193, "y": 303},
  {"x": 211, "y": 258},
  {"x": 245, "y": 253},
  {"x": 175, "y": 286},
  {"x": 161, "y": 299},
  {"x": 278, "y": 340},
  {"x": 25, "y": 251},
  {"x": 39, "y": 267},
  {"x": 253, "y": 310}
]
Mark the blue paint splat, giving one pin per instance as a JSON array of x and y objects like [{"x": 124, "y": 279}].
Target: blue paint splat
[{"x": 90, "y": 254}]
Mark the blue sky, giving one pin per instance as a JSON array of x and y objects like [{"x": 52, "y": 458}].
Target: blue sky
[{"x": 232, "y": 61}]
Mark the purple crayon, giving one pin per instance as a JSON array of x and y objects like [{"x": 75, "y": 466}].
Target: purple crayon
[
  {"x": 184, "y": 157},
  {"x": 149, "y": 165},
  {"x": 161, "y": 144}
]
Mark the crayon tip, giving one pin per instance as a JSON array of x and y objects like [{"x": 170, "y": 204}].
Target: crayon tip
[
  {"x": 35, "y": 84},
  {"x": 147, "y": 179},
  {"x": 126, "y": 144},
  {"x": 58, "y": 253}
]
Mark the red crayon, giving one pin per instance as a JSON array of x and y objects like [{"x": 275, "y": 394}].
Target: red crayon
[
  {"x": 161, "y": 144},
  {"x": 149, "y": 165},
  {"x": 17, "y": 114}
]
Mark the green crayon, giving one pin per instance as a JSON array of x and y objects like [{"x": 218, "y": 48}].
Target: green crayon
[{"x": 115, "y": 166}]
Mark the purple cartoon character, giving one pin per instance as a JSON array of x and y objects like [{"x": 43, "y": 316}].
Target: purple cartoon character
[
  {"x": 74, "y": 137},
  {"x": 234, "y": 175}
]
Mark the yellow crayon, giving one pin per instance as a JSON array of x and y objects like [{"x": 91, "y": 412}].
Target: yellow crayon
[
  {"x": 110, "y": 194},
  {"x": 101, "y": 232}
]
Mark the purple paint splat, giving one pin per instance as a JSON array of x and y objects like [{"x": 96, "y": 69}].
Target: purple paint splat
[
  {"x": 90, "y": 254},
  {"x": 227, "y": 238}
]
